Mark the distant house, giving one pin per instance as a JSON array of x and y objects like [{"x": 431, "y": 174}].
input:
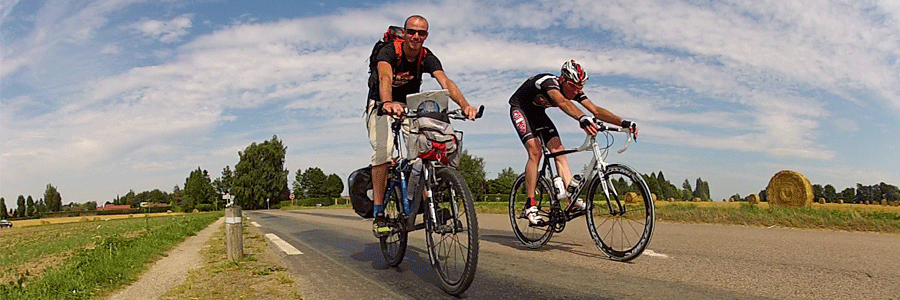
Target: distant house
[{"x": 114, "y": 207}]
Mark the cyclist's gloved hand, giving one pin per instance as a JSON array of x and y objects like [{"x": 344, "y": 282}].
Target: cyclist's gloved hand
[
  {"x": 631, "y": 125},
  {"x": 587, "y": 123}
]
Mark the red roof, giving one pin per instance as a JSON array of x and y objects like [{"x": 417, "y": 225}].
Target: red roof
[{"x": 114, "y": 207}]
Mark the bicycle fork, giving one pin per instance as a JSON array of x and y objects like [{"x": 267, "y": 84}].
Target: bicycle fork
[{"x": 607, "y": 188}]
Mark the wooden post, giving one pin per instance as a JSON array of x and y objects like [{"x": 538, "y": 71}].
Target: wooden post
[{"x": 234, "y": 231}]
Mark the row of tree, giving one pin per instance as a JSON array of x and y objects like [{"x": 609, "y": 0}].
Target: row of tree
[
  {"x": 259, "y": 179},
  {"x": 28, "y": 208}
]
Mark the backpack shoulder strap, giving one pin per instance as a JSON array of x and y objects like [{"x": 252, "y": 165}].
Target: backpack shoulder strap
[{"x": 398, "y": 49}]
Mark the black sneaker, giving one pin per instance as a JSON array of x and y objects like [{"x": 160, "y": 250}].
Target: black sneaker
[{"x": 380, "y": 227}]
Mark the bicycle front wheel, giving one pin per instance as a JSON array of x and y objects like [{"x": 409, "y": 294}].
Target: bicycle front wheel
[
  {"x": 532, "y": 236},
  {"x": 393, "y": 246},
  {"x": 622, "y": 223},
  {"x": 452, "y": 233}
]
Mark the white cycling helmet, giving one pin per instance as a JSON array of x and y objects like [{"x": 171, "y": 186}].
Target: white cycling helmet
[{"x": 573, "y": 71}]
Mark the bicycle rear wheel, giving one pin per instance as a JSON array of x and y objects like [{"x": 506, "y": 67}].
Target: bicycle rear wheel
[
  {"x": 622, "y": 224},
  {"x": 532, "y": 236},
  {"x": 453, "y": 242},
  {"x": 393, "y": 246}
]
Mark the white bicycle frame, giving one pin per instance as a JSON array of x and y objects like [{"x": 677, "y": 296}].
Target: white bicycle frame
[{"x": 597, "y": 165}]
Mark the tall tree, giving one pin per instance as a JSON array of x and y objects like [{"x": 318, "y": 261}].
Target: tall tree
[
  {"x": 223, "y": 184},
  {"x": 52, "y": 198},
  {"x": 334, "y": 186},
  {"x": 41, "y": 208},
  {"x": 818, "y": 192},
  {"x": 177, "y": 196},
  {"x": 891, "y": 192},
  {"x": 312, "y": 183},
  {"x": 849, "y": 195},
  {"x": 198, "y": 189},
  {"x": 260, "y": 175},
  {"x": 686, "y": 191},
  {"x": 701, "y": 190},
  {"x": 503, "y": 183},
  {"x": 29, "y": 207},
  {"x": 830, "y": 193},
  {"x": 20, "y": 207},
  {"x": 298, "y": 189},
  {"x": 472, "y": 170},
  {"x": 3, "y": 210}
]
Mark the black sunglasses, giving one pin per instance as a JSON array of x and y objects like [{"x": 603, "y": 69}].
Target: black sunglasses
[{"x": 413, "y": 32}]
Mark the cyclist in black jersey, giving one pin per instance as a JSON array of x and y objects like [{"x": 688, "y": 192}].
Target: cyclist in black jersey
[
  {"x": 397, "y": 73},
  {"x": 527, "y": 112}
]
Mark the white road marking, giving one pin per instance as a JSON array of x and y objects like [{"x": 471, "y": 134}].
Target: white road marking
[
  {"x": 651, "y": 253},
  {"x": 254, "y": 224},
  {"x": 287, "y": 248}
]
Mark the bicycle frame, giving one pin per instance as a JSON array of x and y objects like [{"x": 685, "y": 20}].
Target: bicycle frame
[
  {"x": 594, "y": 169},
  {"x": 398, "y": 179}
]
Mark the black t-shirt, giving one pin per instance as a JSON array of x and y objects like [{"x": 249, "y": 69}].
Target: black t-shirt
[
  {"x": 534, "y": 92},
  {"x": 406, "y": 79}
]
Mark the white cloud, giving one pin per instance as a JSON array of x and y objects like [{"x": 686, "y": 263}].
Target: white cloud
[
  {"x": 109, "y": 49},
  {"x": 166, "y": 31},
  {"x": 738, "y": 77}
]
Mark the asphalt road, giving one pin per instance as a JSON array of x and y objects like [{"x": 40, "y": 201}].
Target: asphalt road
[{"x": 342, "y": 260}]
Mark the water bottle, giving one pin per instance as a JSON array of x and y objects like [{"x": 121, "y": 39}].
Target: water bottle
[
  {"x": 560, "y": 188},
  {"x": 576, "y": 180}
]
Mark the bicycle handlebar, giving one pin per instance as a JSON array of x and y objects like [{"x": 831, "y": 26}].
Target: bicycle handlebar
[
  {"x": 457, "y": 114},
  {"x": 589, "y": 139}
]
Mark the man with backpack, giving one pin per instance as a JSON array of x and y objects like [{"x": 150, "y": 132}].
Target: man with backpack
[
  {"x": 527, "y": 112},
  {"x": 396, "y": 70}
]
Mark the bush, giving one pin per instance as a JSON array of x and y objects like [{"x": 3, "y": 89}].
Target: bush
[{"x": 205, "y": 207}]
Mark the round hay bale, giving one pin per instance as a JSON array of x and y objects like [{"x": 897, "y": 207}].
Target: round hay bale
[
  {"x": 753, "y": 198},
  {"x": 789, "y": 189},
  {"x": 821, "y": 200},
  {"x": 631, "y": 197},
  {"x": 841, "y": 201},
  {"x": 85, "y": 219},
  {"x": 671, "y": 199},
  {"x": 195, "y": 211},
  {"x": 45, "y": 222},
  {"x": 884, "y": 202},
  {"x": 697, "y": 199}
]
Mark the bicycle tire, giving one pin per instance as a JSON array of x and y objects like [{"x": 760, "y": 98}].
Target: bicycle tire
[
  {"x": 393, "y": 246},
  {"x": 621, "y": 237},
  {"x": 453, "y": 244},
  {"x": 529, "y": 235}
]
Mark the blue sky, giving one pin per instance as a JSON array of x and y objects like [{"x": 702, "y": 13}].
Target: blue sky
[{"x": 101, "y": 97}]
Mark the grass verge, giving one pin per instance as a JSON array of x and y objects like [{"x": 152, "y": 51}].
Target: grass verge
[
  {"x": 868, "y": 218},
  {"x": 91, "y": 258},
  {"x": 259, "y": 275},
  {"x": 848, "y": 219}
]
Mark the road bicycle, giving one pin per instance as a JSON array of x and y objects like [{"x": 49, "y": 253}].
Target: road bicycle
[
  {"x": 449, "y": 220},
  {"x": 618, "y": 206}
]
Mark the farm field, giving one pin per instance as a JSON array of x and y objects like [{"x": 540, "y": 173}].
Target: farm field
[{"x": 83, "y": 257}]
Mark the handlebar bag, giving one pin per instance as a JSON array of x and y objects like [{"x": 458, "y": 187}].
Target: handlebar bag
[
  {"x": 432, "y": 137},
  {"x": 360, "y": 182}
]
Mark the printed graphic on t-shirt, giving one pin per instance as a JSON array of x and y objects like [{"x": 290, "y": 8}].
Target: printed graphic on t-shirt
[{"x": 402, "y": 78}]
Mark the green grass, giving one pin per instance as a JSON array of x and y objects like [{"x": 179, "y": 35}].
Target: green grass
[
  {"x": 89, "y": 258},
  {"x": 808, "y": 217}
]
